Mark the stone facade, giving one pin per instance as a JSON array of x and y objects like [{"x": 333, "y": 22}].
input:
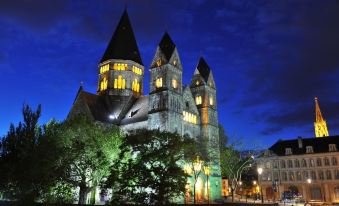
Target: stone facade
[
  {"x": 170, "y": 106},
  {"x": 309, "y": 166}
]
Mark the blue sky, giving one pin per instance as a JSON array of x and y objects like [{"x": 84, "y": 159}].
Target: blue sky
[{"x": 269, "y": 58}]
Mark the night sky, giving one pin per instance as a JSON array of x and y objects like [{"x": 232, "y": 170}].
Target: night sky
[{"x": 269, "y": 58}]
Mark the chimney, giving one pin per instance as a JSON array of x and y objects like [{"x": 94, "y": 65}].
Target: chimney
[{"x": 300, "y": 142}]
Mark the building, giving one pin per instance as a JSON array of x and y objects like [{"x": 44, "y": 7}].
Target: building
[
  {"x": 170, "y": 105},
  {"x": 306, "y": 168}
]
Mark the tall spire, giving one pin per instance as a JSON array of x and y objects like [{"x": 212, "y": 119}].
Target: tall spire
[
  {"x": 123, "y": 44},
  {"x": 203, "y": 69},
  {"x": 320, "y": 127},
  {"x": 167, "y": 46}
]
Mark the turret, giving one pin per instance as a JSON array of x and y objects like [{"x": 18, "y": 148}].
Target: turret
[{"x": 320, "y": 126}]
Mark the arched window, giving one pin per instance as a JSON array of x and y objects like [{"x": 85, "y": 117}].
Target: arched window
[
  {"x": 296, "y": 163},
  {"x": 104, "y": 68},
  {"x": 321, "y": 175},
  {"x": 289, "y": 163},
  {"x": 327, "y": 161},
  {"x": 135, "y": 86},
  {"x": 305, "y": 175},
  {"x": 312, "y": 164},
  {"x": 303, "y": 163},
  {"x": 283, "y": 164},
  {"x": 198, "y": 100},
  {"x": 328, "y": 175},
  {"x": 174, "y": 83},
  {"x": 211, "y": 100},
  {"x": 119, "y": 67},
  {"x": 298, "y": 175},
  {"x": 291, "y": 176},
  {"x": 158, "y": 82},
  {"x": 284, "y": 176},
  {"x": 103, "y": 84},
  {"x": 319, "y": 162},
  {"x": 334, "y": 161},
  {"x": 313, "y": 175},
  {"x": 120, "y": 83}
]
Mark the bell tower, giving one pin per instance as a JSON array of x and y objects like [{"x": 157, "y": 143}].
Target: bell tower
[
  {"x": 165, "y": 98},
  {"x": 320, "y": 126}
]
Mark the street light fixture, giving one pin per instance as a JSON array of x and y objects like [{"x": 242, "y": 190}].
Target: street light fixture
[
  {"x": 260, "y": 171},
  {"x": 207, "y": 171},
  {"x": 309, "y": 180}
]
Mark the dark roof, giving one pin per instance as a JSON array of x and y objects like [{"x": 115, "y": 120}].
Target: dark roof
[
  {"x": 203, "y": 69},
  {"x": 320, "y": 145},
  {"x": 123, "y": 44},
  {"x": 167, "y": 46},
  {"x": 138, "y": 112}
]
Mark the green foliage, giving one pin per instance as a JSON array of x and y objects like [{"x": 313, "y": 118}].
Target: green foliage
[
  {"x": 88, "y": 151},
  {"x": 61, "y": 193},
  {"x": 233, "y": 165},
  {"x": 223, "y": 138},
  {"x": 149, "y": 169}
]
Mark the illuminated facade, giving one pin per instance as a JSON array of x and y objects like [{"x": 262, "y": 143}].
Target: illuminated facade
[
  {"x": 170, "y": 106},
  {"x": 306, "y": 167},
  {"x": 320, "y": 126}
]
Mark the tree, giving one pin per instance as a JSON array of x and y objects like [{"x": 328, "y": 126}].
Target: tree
[
  {"x": 26, "y": 165},
  {"x": 223, "y": 138},
  {"x": 233, "y": 164},
  {"x": 88, "y": 151},
  {"x": 150, "y": 168}
]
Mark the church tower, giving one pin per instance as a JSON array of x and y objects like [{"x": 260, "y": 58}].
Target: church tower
[
  {"x": 121, "y": 71},
  {"x": 165, "y": 98},
  {"x": 320, "y": 126}
]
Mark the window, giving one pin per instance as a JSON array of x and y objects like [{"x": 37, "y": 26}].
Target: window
[
  {"x": 289, "y": 163},
  {"x": 309, "y": 149},
  {"x": 135, "y": 86},
  {"x": 104, "y": 68},
  {"x": 303, "y": 163},
  {"x": 120, "y": 83},
  {"x": 305, "y": 175},
  {"x": 334, "y": 161},
  {"x": 136, "y": 70},
  {"x": 298, "y": 175},
  {"x": 103, "y": 84},
  {"x": 332, "y": 147},
  {"x": 197, "y": 82},
  {"x": 158, "y": 83},
  {"x": 159, "y": 62},
  {"x": 328, "y": 175},
  {"x": 319, "y": 162},
  {"x": 291, "y": 176},
  {"x": 312, "y": 164},
  {"x": 275, "y": 164},
  {"x": 119, "y": 67},
  {"x": 211, "y": 101},
  {"x": 288, "y": 151},
  {"x": 198, "y": 100},
  {"x": 296, "y": 163},
  {"x": 284, "y": 176},
  {"x": 275, "y": 176},
  {"x": 189, "y": 117},
  {"x": 321, "y": 175},
  {"x": 283, "y": 164},
  {"x": 327, "y": 161},
  {"x": 174, "y": 83},
  {"x": 313, "y": 175},
  {"x": 337, "y": 174}
]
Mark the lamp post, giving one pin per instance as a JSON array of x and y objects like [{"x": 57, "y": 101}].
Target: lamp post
[
  {"x": 260, "y": 170},
  {"x": 196, "y": 169},
  {"x": 207, "y": 171}
]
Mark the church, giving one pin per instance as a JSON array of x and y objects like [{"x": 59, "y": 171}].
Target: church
[{"x": 170, "y": 105}]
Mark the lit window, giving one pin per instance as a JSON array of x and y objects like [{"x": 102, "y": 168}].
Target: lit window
[
  {"x": 135, "y": 86},
  {"x": 198, "y": 100},
  {"x": 120, "y": 83},
  {"x": 159, "y": 62},
  {"x": 332, "y": 147},
  {"x": 158, "y": 83},
  {"x": 211, "y": 101},
  {"x": 197, "y": 82},
  {"x": 119, "y": 67},
  {"x": 309, "y": 149},
  {"x": 136, "y": 70},
  {"x": 175, "y": 62},
  {"x": 103, "y": 84},
  {"x": 189, "y": 117},
  {"x": 104, "y": 68},
  {"x": 174, "y": 83}
]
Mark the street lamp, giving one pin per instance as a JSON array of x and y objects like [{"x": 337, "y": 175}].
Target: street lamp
[
  {"x": 309, "y": 180},
  {"x": 197, "y": 169},
  {"x": 207, "y": 171},
  {"x": 260, "y": 170}
]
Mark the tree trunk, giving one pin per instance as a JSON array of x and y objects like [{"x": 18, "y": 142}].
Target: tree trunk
[
  {"x": 194, "y": 192},
  {"x": 232, "y": 191},
  {"x": 83, "y": 195}
]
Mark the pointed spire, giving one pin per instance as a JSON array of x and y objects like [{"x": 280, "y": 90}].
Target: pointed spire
[
  {"x": 203, "y": 69},
  {"x": 167, "y": 46},
  {"x": 320, "y": 125},
  {"x": 123, "y": 44}
]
